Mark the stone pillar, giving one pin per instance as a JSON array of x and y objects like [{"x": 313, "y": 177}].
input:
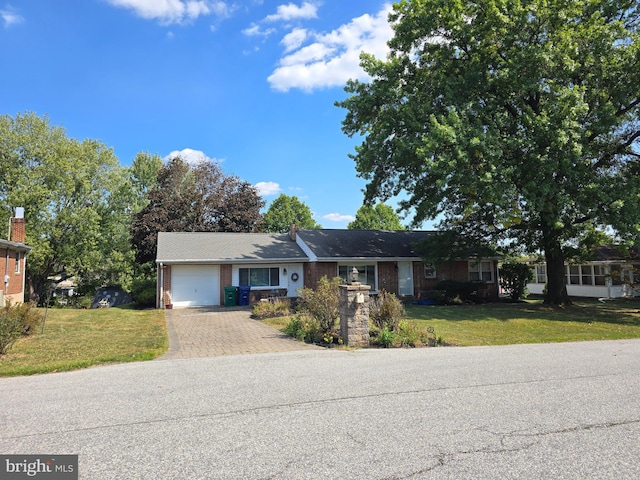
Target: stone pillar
[{"x": 354, "y": 314}]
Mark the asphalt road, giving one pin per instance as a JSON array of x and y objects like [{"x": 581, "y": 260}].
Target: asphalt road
[{"x": 523, "y": 412}]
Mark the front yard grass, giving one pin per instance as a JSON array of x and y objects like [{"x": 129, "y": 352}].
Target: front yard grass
[
  {"x": 504, "y": 323},
  {"x": 75, "y": 339}
]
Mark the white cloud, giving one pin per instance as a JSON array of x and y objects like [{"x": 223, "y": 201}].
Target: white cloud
[
  {"x": 192, "y": 157},
  {"x": 337, "y": 217},
  {"x": 334, "y": 57},
  {"x": 10, "y": 17},
  {"x": 256, "y": 30},
  {"x": 294, "y": 39},
  {"x": 174, "y": 11},
  {"x": 293, "y": 12},
  {"x": 267, "y": 188}
]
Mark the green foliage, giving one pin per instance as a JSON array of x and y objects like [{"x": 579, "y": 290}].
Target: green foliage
[
  {"x": 408, "y": 334},
  {"x": 322, "y": 303},
  {"x": 286, "y": 210},
  {"x": 521, "y": 127},
  {"x": 143, "y": 292},
  {"x": 10, "y": 331},
  {"x": 16, "y": 321},
  {"x": 386, "y": 311},
  {"x": 304, "y": 328},
  {"x": 385, "y": 338},
  {"x": 74, "y": 197},
  {"x": 380, "y": 217},
  {"x": 77, "y": 202},
  {"x": 514, "y": 277},
  {"x": 270, "y": 309},
  {"x": 196, "y": 198},
  {"x": 458, "y": 292}
]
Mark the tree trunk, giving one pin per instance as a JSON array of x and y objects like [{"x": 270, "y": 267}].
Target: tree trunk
[{"x": 556, "y": 281}]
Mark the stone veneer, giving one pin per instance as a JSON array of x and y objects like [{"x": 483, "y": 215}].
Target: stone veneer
[{"x": 354, "y": 315}]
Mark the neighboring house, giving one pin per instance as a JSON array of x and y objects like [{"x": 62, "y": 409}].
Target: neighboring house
[
  {"x": 13, "y": 254},
  {"x": 194, "y": 268},
  {"x": 611, "y": 274}
]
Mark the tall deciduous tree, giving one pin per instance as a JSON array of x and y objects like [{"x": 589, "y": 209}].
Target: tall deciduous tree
[
  {"x": 69, "y": 191},
  {"x": 286, "y": 210},
  {"x": 380, "y": 217},
  {"x": 194, "y": 199},
  {"x": 515, "y": 120}
]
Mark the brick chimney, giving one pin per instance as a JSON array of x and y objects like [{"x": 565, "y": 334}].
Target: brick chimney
[
  {"x": 17, "y": 233},
  {"x": 292, "y": 232}
]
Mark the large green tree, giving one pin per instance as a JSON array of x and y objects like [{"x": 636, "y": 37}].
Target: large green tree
[
  {"x": 380, "y": 217},
  {"x": 198, "y": 198},
  {"x": 286, "y": 210},
  {"x": 69, "y": 190},
  {"x": 514, "y": 120}
]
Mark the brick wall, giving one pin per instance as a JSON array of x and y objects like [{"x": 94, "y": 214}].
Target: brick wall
[
  {"x": 313, "y": 272},
  {"x": 457, "y": 271},
  {"x": 166, "y": 286},
  {"x": 13, "y": 290},
  {"x": 226, "y": 275},
  {"x": 17, "y": 230}
]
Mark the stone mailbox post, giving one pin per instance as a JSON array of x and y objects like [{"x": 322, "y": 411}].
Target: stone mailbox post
[{"x": 354, "y": 313}]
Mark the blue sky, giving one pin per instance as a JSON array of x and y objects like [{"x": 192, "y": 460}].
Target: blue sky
[{"x": 250, "y": 83}]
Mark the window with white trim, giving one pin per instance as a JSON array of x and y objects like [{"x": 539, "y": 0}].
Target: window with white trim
[
  {"x": 599, "y": 275},
  {"x": 430, "y": 270},
  {"x": 259, "y": 276},
  {"x": 541, "y": 274},
  {"x": 366, "y": 274},
  {"x": 574, "y": 275},
  {"x": 481, "y": 271},
  {"x": 586, "y": 274},
  {"x": 17, "y": 267}
]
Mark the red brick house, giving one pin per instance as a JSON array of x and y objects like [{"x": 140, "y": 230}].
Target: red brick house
[
  {"x": 195, "y": 267},
  {"x": 13, "y": 254}
]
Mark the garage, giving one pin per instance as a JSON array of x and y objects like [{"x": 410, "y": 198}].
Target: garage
[{"x": 195, "y": 285}]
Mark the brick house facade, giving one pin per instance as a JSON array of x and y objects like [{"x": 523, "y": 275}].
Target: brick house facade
[
  {"x": 196, "y": 268},
  {"x": 13, "y": 253}
]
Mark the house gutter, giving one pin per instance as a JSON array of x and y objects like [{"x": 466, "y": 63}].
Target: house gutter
[
  {"x": 6, "y": 272},
  {"x": 231, "y": 261},
  {"x": 159, "y": 302}
]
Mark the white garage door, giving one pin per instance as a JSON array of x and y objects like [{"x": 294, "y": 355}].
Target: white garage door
[{"x": 195, "y": 285}]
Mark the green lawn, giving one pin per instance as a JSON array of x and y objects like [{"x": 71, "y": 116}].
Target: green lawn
[
  {"x": 528, "y": 322},
  {"x": 75, "y": 338}
]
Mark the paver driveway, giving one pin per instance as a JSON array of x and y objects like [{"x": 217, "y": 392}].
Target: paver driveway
[{"x": 214, "y": 331}]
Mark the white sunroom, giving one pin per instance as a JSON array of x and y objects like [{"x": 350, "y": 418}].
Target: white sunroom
[{"x": 598, "y": 279}]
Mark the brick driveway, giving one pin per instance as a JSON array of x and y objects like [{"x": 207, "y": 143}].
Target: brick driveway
[{"x": 215, "y": 331}]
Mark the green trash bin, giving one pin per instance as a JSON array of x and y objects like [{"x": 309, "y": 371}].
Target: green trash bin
[{"x": 230, "y": 296}]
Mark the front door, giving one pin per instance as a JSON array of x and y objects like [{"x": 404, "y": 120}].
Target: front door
[
  {"x": 294, "y": 277},
  {"x": 405, "y": 279}
]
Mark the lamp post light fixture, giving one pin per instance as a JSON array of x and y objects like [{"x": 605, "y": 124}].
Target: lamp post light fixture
[{"x": 354, "y": 275}]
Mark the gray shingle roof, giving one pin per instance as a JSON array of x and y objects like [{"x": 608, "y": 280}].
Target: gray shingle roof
[
  {"x": 208, "y": 247},
  {"x": 21, "y": 247},
  {"x": 367, "y": 244}
]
